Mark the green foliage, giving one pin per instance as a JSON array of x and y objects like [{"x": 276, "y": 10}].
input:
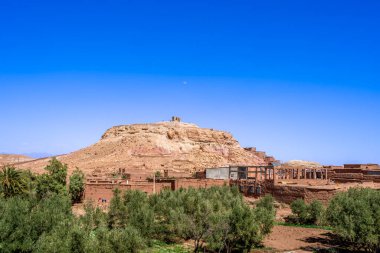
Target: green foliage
[
  {"x": 115, "y": 240},
  {"x": 76, "y": 186},
  {"x": 54, "y": 182},
  {"x": 62, "y": 239},
  {"x": 43, "y": 222},
  {"x": 217, "y": 216},
  {"x": 57, "y": 171},
  {"x": 244, "y": 231},
  {"x": 24, "y": 221},
  {"x": 299, "y": 209},
  {"x": 36, "y": 216},
  {"x": 215, "y": 219},
  {"x": 246, "y": 227},
  {"x": 306, "y": 214},
  {"x": 265, "y": 211},
  {"x": 14, "y": 222},
  {"x": 316, "y": 212},
  {"x": 93, "y": 218},
  {"x": 46, "y": 186},
  {"x": 30, "y": 182},
  {"x": 162, "y": 247},
  {"x": 140, "y": 214},
  {"x": 117, "y": 214},
  {"x": 157, "y": 174},
  {"x": 12, "y": 182},
  {"x": 355, "y": 217},
  {"x": 196, "y": 214}
]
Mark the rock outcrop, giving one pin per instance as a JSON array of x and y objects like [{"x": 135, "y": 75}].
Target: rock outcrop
[{"x": 141, "y": 149}]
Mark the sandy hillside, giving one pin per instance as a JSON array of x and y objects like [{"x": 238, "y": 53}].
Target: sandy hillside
[
  {"x": 6, "y": 159},
  {"x": 144, "y": 148}
]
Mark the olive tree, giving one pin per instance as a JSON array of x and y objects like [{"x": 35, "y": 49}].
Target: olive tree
[{"x": 355, "y": 217}]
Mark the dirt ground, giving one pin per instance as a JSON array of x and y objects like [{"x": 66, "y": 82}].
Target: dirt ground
[
  {"x": 78, "y": 209},
  {"x": 282, "y": 213},
  {"x": 298, "y": 239}
]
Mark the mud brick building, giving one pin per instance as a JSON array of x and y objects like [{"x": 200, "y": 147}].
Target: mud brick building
[{"x": 101, "y": 190}]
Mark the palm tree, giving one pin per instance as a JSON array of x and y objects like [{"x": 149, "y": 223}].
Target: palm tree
[{"x": 12, "y": 182}]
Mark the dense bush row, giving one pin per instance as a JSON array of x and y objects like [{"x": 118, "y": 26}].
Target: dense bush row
[
  {"x": 354, "y": 217},
  {"x": 36, "y": 216},
  {"x": 217, "y": 218}
]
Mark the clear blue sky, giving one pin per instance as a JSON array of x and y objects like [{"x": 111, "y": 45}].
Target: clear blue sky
[{"x": 298, "y": 79}]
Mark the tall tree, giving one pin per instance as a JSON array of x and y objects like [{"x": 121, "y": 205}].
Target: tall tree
[
  {"x": 117, "y": 214},
  {"x": 54, "y": 182},
  {"x": 76, "y": 186},
  {"x": 57, "y": 170}
]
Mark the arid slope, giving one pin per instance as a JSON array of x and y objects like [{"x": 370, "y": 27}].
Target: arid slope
[
  {"x": 181, "y": 148},
  {"x": 6, "y": 159}
]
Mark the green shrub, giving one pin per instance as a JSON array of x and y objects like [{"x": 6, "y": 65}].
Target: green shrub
[
  {"x": 23, "y": 221},
  {"x": 93, "y": 218},
  {"x": 52, "y": 182},
  {"x": 303, "y": 213},
  {"x": 316, "y": 212},
  {"x": 76, "y": 186},
  {"x": 355, "y": 218},
  {"x": 140, "y": 214},
  {"x": 265, "y": 213},
  {"x": 117, "y": 214},
  {"x": 116, "y": 240}
]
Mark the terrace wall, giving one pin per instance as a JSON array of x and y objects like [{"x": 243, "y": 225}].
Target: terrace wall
[{"x": 287, "y": 193}]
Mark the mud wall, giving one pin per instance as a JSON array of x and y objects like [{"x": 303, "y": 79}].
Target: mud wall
[
  {"x": 199, "y": 183},
  {"x": 323, "y": 195},
  {"x": 287, "y": 194},
  {"x": 97, "y": 191}
]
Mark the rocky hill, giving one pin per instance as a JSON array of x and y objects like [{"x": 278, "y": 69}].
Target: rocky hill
[
  {"x": 141, "y": 149},
  {"x": 6, "y": 159}
]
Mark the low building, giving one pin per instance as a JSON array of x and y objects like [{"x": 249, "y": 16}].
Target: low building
[{"x": 100, "y": 190}]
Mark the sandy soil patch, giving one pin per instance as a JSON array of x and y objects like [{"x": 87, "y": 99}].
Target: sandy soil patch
[{"x": 298, "y": 239}]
